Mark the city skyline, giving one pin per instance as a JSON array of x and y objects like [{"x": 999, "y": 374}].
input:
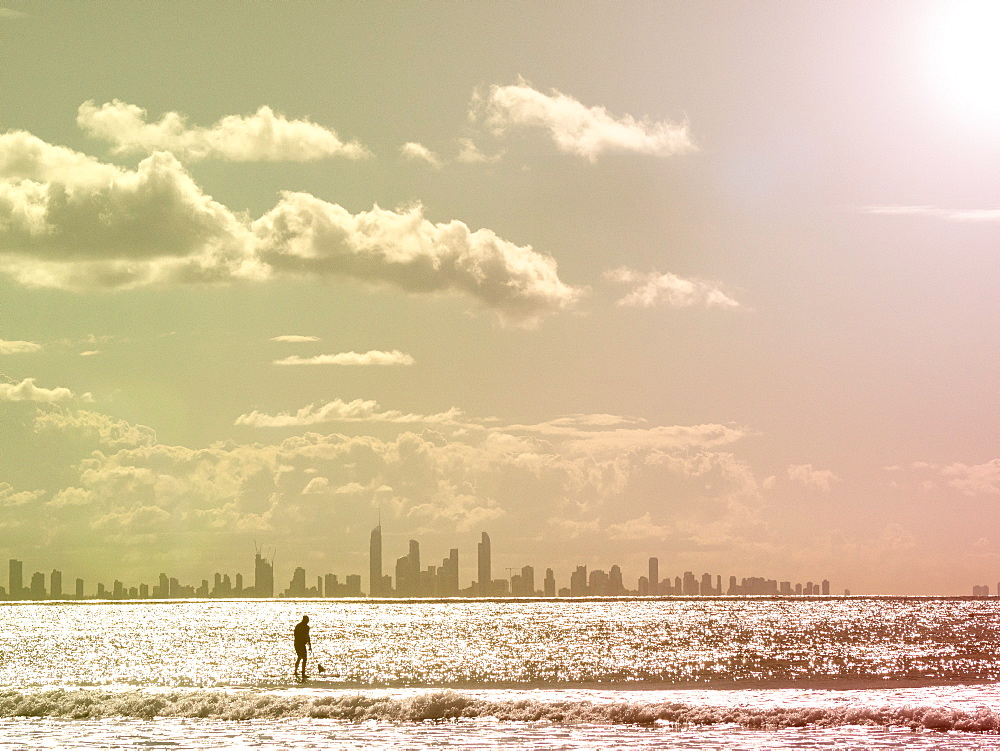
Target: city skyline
[
  {"x": 713, "y": 281},
  {"x": 414, "y": 581}
]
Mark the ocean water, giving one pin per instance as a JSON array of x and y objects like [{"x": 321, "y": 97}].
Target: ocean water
[{"x": 726, "y": 673}]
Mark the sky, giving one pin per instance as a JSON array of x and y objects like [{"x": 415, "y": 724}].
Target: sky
[{"x": 712, "y": 282}]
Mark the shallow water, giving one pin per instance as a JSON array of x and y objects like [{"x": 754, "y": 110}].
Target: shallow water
[{"x": 706, "y": 673}]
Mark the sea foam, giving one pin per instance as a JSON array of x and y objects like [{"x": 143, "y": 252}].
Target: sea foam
[{"x": 456, "y": 706}]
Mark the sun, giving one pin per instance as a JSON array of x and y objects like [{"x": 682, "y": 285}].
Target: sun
[{"x": 965, "y": 58}]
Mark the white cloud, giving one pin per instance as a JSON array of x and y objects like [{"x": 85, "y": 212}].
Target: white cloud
[
  {"x": 577, "y": 129},
  {"x": 316, "y": 485},
  {"x": 9, "y": 498},
  {"x": 261, "y": 137},
  {"x": 419, "y": 152},
  {"x": 294, "y": 338},
  {"x": 103, "y": 430},
  {"x": 17, "y": 347},
  {"x": 372, "y": 357},
  {"x": 68, "y": 221},
  {"x": 820, "y": 479},
  {"x": 358, "y": 410},
  {"x": 304, "y": 235},
  {"x": 27, "y": 391},
  {"x": 469, "y": 153},
  {"x": 653, "y": 289},
  {"x": 90, "y": 353},
  {"x": 10, "y": 13},
  {"x": 974, "y": 479},
  {"x": 958, "y": 215}
]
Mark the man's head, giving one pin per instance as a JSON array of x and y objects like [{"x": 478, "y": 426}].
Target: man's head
[{"x": 305, "y": 619}]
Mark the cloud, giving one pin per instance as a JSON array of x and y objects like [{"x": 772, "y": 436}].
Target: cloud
[
  {"x": 27, "y": 391},
  {"x": 653, "y": 289},
  {"x": 261, "y": 137},
  {"x": 304, "y": 235},
  {"x": 372, "y": 357},
  {"x": 358, "y": 410},
  {"x": 17, "y": 347},
  {"x": 90, "y": 353},
  {"x": 10, "y": 13},
  {"x": 820, "y": 479},
  {"x": 469, "y": 153},
  {"x": 294, "y": 338},
  {"x": 957, "y": 215},
  {"x": 9, "y": 498},
  {"x": 575, "y": 128},
  {"x": 69, "y": 221},
  {"x": 419, "y": 152},
  {"x": 102, "y": 430},
  {"x": 975, "y": 479}
]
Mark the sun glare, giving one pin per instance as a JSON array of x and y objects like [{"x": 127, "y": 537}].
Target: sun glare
[{"x": 965, "y": 58}]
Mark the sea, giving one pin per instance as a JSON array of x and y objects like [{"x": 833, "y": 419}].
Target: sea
[{"x": 620, "y": 673}]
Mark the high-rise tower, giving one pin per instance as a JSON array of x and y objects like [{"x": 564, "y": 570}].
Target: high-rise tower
[
  {"x": 263, "y": 577},
  {"x": 15, "y": 579},
  {"x": 375, "y": 563},
  {"x": 485, "y": 572}
]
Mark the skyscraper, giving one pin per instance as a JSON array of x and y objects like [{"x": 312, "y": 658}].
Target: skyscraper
[
  {"x": 15, "y": 579},
  {"x": 485, "y": 568},
  {"x": 55, "y": 584},
  {"x": 375, "y": 563},
  {"x": 654, "y": 576},
  {"x": 263, "y": 577}
]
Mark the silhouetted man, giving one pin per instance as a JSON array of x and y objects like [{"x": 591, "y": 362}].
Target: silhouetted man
[{"x": 301, "y": 642}]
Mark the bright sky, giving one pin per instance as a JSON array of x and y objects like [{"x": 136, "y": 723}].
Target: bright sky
[{"x": 710, "y": 281}]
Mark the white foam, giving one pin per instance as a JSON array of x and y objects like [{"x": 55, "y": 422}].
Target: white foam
[{"x": 456, "y": 706}]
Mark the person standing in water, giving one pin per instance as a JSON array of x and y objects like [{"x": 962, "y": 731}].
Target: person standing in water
[{"x": 301, "y": 642}]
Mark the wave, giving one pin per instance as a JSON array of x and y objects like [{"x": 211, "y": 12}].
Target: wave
[{"x": 455, "y": 706}]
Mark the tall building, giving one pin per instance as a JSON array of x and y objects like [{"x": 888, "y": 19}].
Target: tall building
[
  {"x": 55, "y": 584},
  {"x": 375, "y": 563},
  {"x": 414, "y": 559},
  {"x": 79, "y": 589},
  {"x": 485, "y": 567},
  {"x": 550, "y": 583},
  {"x": 15, "y": 579},
  {"x": 263, "y": 577},
  {"x": 38, "y": 586},
  {"x": 654, "y": 576},
  {"x": 578, "y": 582}
]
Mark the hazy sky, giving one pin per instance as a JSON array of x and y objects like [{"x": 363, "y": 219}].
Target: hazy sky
[{"x": 715, "y": 282}]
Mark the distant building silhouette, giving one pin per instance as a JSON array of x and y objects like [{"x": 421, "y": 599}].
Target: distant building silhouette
[
  {"x": 263, "y": 577},
  {"x": 653, "y": 581},
  {"x": 375, "y": 563},
  {"x": 550, "y": 583},
  {"x": 485, "y": 567},
  {"x": 15, "y": 579}
]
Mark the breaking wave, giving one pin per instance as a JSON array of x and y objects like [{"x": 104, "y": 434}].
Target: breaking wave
[{"x": 455, "y": 706}]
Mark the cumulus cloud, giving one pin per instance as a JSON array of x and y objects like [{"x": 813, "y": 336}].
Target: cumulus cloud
[
  {"x": 27, "y": 391},
  {"x": 957, "y": 215},
  {"x": 469, "y": 153},
  {"x": 304, "y": 235},
  {"x": 820, "y": 479},
  {"x": 974, "y": 479},
  {"x": 653, "y": 289},
  {"x": 69, "y": 221},
  {"x": 294, "y": 338},
  {"x": 103, "y": 430},
  {"x": 372, "y": 357},
  {"x": 17, "y": 347},
  {"x": 576, "y": 128},
  {"x": 358, "y": 410},
  {"x": 420, "y": 153},
  {"x": 262, "y": 137}
]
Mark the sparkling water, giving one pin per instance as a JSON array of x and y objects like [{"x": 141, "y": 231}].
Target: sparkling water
[{"x": 735, "y": 673}]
